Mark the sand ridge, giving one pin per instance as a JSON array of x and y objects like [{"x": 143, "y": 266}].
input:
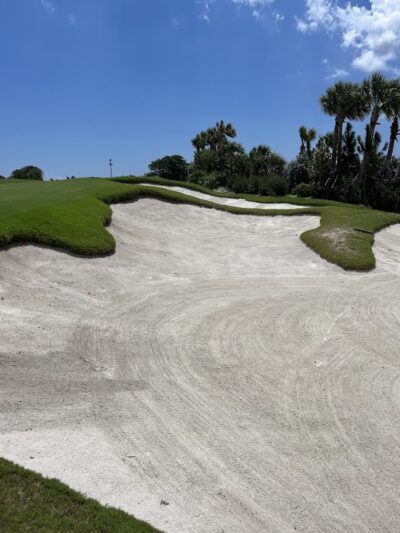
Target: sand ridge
[{"x": 214, "y": 362}]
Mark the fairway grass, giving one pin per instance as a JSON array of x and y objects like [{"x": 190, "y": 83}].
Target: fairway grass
[
  {"x": 73, "y": 215},
  {"x": 30, "y": 502}
]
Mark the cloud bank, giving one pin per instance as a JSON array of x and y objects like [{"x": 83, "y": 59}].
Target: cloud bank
[{"x": 372, "y": 33}]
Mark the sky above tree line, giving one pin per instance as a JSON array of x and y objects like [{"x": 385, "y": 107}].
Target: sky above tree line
[{"x": 134, "y": 80}]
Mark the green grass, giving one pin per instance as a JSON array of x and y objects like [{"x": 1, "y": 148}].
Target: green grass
[
  {"x": 30, "y": 502},
  {"x": 72, "y": 215}
]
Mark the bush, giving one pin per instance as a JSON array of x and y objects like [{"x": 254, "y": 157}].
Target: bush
[
  {"x": 2, "y": 177},
  {"x": 27, "y": 173},
  {"x": 303, "y": 190},
  {"x": 240, "y": 184},
  {"x": 210, "y": 180},
  {"x": 273, "y": 185},
  {"x": 298, "y": 171}
]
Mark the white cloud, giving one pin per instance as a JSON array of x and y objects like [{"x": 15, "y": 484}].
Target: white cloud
[
  {"x": 257, "y": 6},
  {"x": 337, "y": 73},
  {"x": 372, "y": 33},
  {"x": 205, "y": 9},
  {"x": 48, "y": 5},
  {"x": 319, "y": 13},
  {"x": 334, "y": 72},
  {"x": 277, "y": 17}
]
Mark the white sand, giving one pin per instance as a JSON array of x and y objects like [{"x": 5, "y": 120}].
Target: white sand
[
  {"x": 214, "y": 362},
  {"x": 234, "y": 202}
]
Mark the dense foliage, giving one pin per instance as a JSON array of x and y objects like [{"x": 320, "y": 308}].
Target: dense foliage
[
  {"x": 219, "y": 161},
  {"x": 337, "y": 165},
  {"x": 27, "y": 173},
  {"x": 170, "y": 167}
]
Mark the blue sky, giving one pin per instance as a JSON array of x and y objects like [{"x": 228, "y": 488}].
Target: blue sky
[{"x": 85, "y": 80}]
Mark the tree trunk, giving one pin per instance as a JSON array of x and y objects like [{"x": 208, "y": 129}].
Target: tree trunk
[
  {"x": 335, "y": 146},
  {"x": 309, "y": 149},
  {"x": 365, "y": 162},
  {"x": 339, "y": 140},
  {"x": 374, "y": 120},
  {"x": 394, "y": 132}
]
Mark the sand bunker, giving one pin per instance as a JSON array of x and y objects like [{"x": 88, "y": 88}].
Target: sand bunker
[
  {"x": 234, "y": 202},
  {"x": 214, "y": 362}
]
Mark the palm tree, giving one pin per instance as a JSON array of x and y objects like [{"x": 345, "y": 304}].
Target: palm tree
[
  {"x": 377, "y": 90},
  {"x": 226, "y": 129},
  {"x": 303, "y": 138},
  {"x": 306, "y": 137},
  {"x": 222, "y": 131},
  {"x": 392, "y": 113},
  {"x": 311, "y": 136},
  {"x": 344, "y": 101},
  {"x": 371, "y": 161},
  {"x": 200, "y": 141},
  {"x": 379, "y": 93}
]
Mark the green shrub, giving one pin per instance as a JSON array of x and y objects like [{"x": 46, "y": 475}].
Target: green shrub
[
  {"x": 210, "y": 180},
  {"x": 2, "y": 177},
  {"x": 303, "y": 190},
  {"x": 240, "y": 184},
  {"x": 273, "y": 185},
  {"x": 28, "y": 173}
]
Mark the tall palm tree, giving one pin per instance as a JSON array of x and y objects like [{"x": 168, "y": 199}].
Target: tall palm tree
[
  {"x": 311, "y": 136},
  {"x": 306, "y": 137},
  {"x": 344, "y": 101},
  {"x": 222, "y": 131},
  {"x": 392, "y": 113},
  {"x": 200, "y": 141},
  {"x": 379, "y": 93},
  {"x": 226, "y": 129},
  {"x": 372, "y": 159},
  {"x": 377, "y": 90},
  {"x": 215, "y": 139},
  {"x": 303, "y": 138}
]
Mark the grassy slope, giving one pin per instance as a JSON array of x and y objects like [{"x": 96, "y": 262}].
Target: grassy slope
[
  {"x": 29, "y": 502},
  {"x": 72, "y": 215}
]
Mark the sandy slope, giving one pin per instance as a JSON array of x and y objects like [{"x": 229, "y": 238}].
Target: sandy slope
[
  {"x": 235, "y": 202},
  {"x": 213, "y": 362}
]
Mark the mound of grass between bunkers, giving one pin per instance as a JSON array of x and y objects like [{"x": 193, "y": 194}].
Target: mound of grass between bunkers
[
  {"x": 30, "y": 502},
  {"x": 72, "y": 215}
]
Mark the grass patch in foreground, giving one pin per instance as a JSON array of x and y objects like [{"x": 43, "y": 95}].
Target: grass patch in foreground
[
  {"x": 72, "y": 215},
  {"x": 30, "y": 502}
]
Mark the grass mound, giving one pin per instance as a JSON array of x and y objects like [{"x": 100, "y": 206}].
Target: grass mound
[
  {"x": 30, "y": 502},
  {"x": 72, "y": 215}
]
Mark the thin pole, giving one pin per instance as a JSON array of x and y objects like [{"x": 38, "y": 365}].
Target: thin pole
[{"x": 110, "y": 162}]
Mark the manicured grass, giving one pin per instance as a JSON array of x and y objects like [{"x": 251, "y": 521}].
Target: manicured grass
[
  {"x": 29, "y": 502},
  {"x": 72, "y": 215}
]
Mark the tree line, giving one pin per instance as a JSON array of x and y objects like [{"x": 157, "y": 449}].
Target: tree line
[
  {"x": 338, "y": 165},
  {"x": 26, "y": 173}
]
